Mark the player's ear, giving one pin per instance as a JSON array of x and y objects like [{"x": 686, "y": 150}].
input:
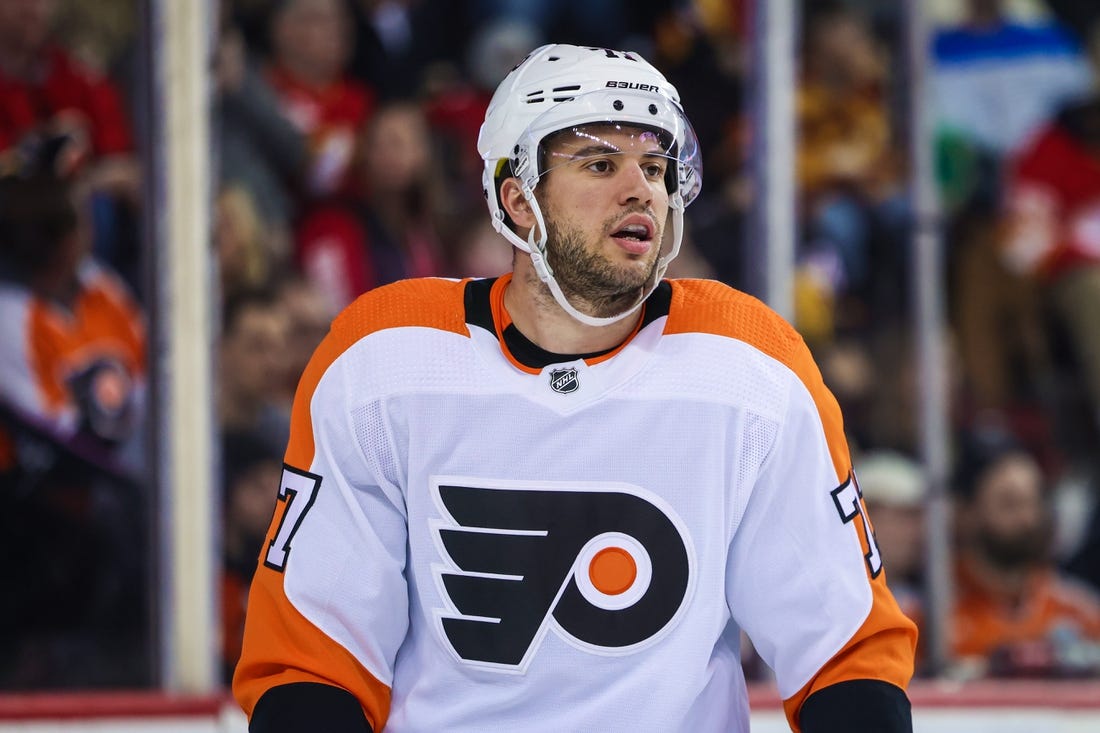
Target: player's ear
[{"x": 515, "y": 204}]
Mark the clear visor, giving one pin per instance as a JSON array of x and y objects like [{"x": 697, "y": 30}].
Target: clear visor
[{"x": 619, "y": 122}]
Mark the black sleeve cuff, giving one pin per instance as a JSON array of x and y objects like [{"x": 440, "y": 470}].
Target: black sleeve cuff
[
  {"x": 306, "y": 707},
  {"x": 857, "y": 706}
]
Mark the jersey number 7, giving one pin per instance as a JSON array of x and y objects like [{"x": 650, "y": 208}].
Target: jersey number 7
[
  {"x": 849, "y": 504},
  {"x": 297, "y": 492}
]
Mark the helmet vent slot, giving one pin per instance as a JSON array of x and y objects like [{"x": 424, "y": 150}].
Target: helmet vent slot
[{"x": 570, "y": 88}]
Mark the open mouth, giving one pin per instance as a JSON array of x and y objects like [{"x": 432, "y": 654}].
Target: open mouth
[{"x": 635, "y": 233}]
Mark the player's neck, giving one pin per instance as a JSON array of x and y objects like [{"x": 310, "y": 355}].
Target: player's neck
[{"x": 539, "y": 318}]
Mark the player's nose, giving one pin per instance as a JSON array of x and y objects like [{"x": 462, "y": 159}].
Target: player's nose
[{"x": 634, "y": 185}]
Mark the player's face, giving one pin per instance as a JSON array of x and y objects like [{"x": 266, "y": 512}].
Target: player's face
[{"x": 605, "y": 204}]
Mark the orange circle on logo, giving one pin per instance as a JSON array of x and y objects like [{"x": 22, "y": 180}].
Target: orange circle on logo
[
  {"x": 110, "y": 388},
  {"x": 612, "y": 571}
]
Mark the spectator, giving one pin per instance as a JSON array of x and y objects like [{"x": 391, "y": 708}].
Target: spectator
[
  {"x": 261, "y": 152},
  {"x": 455, "y": 104},
  {"x": 241, "y": 243},
  {"x": 981, "y": 64},
  {"x": 1051, "y": 228},
  {"x": 849, "y": 369},
  {"x": 308, "y": 317},
  {"x": 347, "y": 246},
  {"x": 1015, "y": 614},
  {"x": 45, "y": 91},
  {"x": 996, "y": 315},
  {"x": 252, "y": 366},
  {"x": 987, "y": 134},
  {"x": 893, "y": 490},
  {"x": 311, "y": 40},
  {"x": 400, "y": 43},
  {"x": 705, "y": 58},
  {"x": 74, "y": 341},
  {"x": 250, "y": 476},
  {"x": 482, "y": 253},
  {"x": 72, "y": 372},
  {"x": 849, "y": 168}
]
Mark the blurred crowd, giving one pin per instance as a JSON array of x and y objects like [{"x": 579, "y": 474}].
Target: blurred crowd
[{"x": 345, "y": 136}]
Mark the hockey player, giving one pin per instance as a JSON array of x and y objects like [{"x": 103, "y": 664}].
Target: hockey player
[{"x": 550, "y": 501}]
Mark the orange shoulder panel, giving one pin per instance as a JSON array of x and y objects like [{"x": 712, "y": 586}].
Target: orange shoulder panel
[
  {"x": 883, "y": 648},
  {"x": 280, "y": 645},
  {"x": 426, "y": 302},
  {"x": 706, "y": 306}
]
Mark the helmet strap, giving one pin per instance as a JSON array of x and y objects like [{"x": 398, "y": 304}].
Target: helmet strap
[{"x": 536, "y": 246}]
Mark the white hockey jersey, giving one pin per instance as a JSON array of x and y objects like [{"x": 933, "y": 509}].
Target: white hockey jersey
[{"x": 467, "y": 542}]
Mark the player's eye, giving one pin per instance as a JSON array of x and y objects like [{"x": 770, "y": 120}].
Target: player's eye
[
  {"x": 654, "y": 169},
  {"x": 599, "y": 165}
]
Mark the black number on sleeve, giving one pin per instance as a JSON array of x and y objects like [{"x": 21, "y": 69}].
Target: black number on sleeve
[
  {"x": 297, "y": 492},
  {"x": 849, "y": 504}
]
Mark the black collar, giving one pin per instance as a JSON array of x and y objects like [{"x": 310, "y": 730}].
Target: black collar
[{"x": 479, "y": 312}]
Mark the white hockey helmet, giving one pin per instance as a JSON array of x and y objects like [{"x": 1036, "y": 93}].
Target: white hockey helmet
[{"x": 558, "y": 87}]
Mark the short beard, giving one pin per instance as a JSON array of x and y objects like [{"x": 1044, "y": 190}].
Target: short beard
[
  {"x": 1023, "y": 550},
  {"x": 588, "y": 277}
]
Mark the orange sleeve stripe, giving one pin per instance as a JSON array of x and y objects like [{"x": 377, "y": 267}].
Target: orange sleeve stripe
[
  {"x": 294, "y": 650},
  {"x": 281, "y": 646},
  {"x": 883, "y": 647}
]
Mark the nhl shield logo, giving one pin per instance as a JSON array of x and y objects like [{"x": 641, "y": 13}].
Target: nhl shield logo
[{"x": 564, "y": 381}]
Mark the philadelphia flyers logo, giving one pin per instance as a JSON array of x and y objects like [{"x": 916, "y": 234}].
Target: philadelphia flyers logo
[{"x": 607, "y": 567}]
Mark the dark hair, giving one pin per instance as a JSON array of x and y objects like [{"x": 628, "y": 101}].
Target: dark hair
[
  {"x": 264, "y": 296},
  {"x": 978, "y": 451},
  {"x": 37, "y": 214},
  {"x": 242, "y": 451}
]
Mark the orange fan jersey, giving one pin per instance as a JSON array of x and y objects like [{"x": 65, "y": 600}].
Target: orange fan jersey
[
  {"x": 475, "y": 536},
  {"x": 982, "y": 623},
  {"x": 54, "y": 358}
]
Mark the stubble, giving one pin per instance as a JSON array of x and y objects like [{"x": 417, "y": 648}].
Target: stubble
[{"x": 587, "y": 277}]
